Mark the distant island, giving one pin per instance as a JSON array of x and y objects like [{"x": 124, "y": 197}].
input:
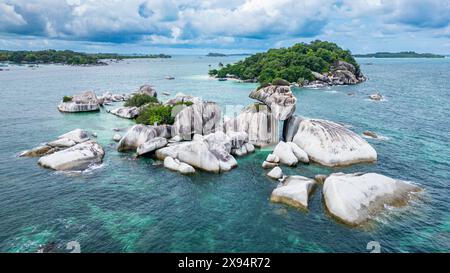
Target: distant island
[
  {"x": 67, "y": 57},
  {"x": 317, "y": 63},
  {"x": 215, "y": 54},
  {"x": 404, "y": 54}
]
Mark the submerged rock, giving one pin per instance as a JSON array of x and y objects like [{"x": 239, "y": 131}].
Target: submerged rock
[
  {"x": 85, "y": 102},
  {"x": 355, "y": 198},
  {"x": 294, "y": 191},
  {"x": 258, "y": 122},
  {"x": 278, "y": 98},
  {"x": 200, "y": 118},
  {"x": 126, "y": 112},
  {"x": 377, "y": 96},
  {"x": 370, "y": 134},
  {"x": 117, "y": 137},
  {"x": 332, "y": 144},
  {"x": 78, "y": 157},
  {"x": 151, "y": 145}
]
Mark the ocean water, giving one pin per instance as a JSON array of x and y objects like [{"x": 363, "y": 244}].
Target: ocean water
[{"x": 129, "y": 205}]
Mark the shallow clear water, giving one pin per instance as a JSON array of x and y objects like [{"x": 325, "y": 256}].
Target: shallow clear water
[{"x": 131, "y": 205}]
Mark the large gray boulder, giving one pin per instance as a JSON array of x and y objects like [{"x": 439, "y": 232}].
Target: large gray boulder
[
  {"x": 126, "y": 112},
  {"x": 290, "y": 127},
  {"x": 78, "y": 157},
  {"x": 151, "y": 145},
  {"x": 356, "y": 198},
  {"x": 200, "y": 118},
  {"x": 140, "y": 134},
  {"x": 209, "y": 153},
  {"x": 278, "y": 98},
  {"x": 148, "y": 90},
  {"x": 294, "y": 191},
  {"x": 258, "y": 122},
  {"x": 84, "y": 102},
  {"x": 64, "y": 141},
  {"x": 332, "y": 144}
]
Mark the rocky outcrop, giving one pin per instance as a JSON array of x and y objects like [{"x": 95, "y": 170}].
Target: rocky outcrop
[
  {"x": 271, "y": 161},
  {"x": 78, "y": 157},
  {"x": 148, "y": 90},
  {"x": 200, "y": 118},
  {"x": 126, "y": 112},
  {"x": 38, "y": 151},
  {"x": 151, "y": 145},
  {"x": 356, "y": 198},
  {"x": 332, "y": 144},
  {"x": 210, "y": 153},
  {"x": 290, "y": 127},
  {"x": 62, "y": 142},
  {"x": 108, "y": 97},
  {"x": 341, "y": 73},
  {"x": 85, "y": 102},
  {"x": 140, "y": 134},
  {"x": 294, "y": 191},
  {"x": 276, "y": 173},
  {"x": 290, "y": 154},
  {"x": 278, "y": 98},
  {"x": 176, "y": 165},
  {"x": 258, "y": 122},
  {"x": 182, "y": 98}
]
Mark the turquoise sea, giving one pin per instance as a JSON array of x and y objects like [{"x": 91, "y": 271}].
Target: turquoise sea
[{"x": 130, "y": 205}]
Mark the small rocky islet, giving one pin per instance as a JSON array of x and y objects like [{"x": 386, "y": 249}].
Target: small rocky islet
[{"x": 187, "y": 145}]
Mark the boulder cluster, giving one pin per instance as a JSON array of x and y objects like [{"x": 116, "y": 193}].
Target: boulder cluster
[{"x": 72, "y": 151}]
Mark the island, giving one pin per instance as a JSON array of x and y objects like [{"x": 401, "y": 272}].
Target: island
[
  {"x": 67, "y": 57},
  {"x": 315, "y": 64},
  {"x": 404, "y": 54},
  {"x": 215, "y": 54}
]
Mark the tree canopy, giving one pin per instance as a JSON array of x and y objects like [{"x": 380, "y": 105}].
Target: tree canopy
[
  {"x": 65, "y": 57},
  {"x": 293, "y": 64}
]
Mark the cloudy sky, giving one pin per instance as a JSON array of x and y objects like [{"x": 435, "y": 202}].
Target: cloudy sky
[{"x": 231, "y": 26}]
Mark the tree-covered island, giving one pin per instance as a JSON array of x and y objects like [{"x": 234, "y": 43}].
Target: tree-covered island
[
  {"x": 404, "y": 54},
  {"x": 302, "y": 64},
  {"x": 67, "y": 57}
]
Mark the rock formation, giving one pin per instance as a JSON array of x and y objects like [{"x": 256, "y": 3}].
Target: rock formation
[
  {"x": 85, "y": 102},
  {"x": 294, "y": 191},
  {"x": 355, "y": 198},
  {"x": 278, "y": 98}
]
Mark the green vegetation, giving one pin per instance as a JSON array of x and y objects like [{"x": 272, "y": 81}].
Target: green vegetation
[
  {"x": 67, "y": 99},
  {"x": 65, "y": 57},
  {"x": 404, "y": 54},
  {"x": 140, "y": 99},
  {"x": 158, "y": 113},
  {"x": 279, "y": 81},
  {"x": 293, "y": 64},
  {"x": 213, "y": 54}
]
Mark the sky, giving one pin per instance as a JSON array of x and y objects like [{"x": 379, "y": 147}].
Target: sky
[{"x": 227, "y": 26}]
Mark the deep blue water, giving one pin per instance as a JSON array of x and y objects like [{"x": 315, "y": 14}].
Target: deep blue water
[{"x": 131, "y": 205}]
